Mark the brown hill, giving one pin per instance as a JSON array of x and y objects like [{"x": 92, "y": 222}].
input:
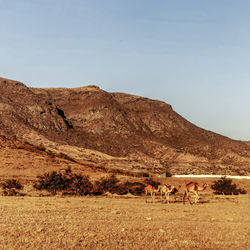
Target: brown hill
[
  {"x": 115, "y": 130},
  {"x": 21, "y": 111}
]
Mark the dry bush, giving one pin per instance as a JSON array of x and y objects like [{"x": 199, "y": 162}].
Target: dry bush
[
  {"x": 225, "y": 186},
  {"x": 66, "y": 181},
  {"x": 109, "y": 184},
  {"x": 52, "y": 182},
  {"x": 150, "y": 181},
  {"x": 81, "y": 185},
  {"x": 11, "y": 187},
  {"x": 135, "y": 188},
  {"x": 71, "y": 183}
]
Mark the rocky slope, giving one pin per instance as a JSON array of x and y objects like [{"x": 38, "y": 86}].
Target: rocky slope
[{"x": 115, "y": 130}]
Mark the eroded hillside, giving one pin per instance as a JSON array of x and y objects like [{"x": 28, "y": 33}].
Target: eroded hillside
[{"x": 115, "y": 130}]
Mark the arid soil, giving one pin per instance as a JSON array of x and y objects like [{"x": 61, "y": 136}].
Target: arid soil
[{"x": 217, "y": 222}]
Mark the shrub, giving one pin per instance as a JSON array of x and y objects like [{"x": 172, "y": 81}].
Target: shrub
[
  {"x": 11, "y": 187},
  {"x": 120, "y": 189},
  {"x": 106, "y": 184},
  {"x": 150, "y": 181},
  {"x": 75, "y": 184},
  {"x": 109, "y": 184},
  {"x": 66, "y": 181},
  {"x": 135, "y": 188},
  {"x": 225, "y": 186},
  {"x": 81, "y": 185},
  {"x": 51, "y": 182}
]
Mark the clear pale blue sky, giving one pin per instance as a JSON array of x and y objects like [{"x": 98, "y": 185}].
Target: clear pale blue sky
[{"x": 194, "y": 55}]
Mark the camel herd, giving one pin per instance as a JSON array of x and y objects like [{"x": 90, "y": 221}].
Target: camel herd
[{"x": 165, "y": 191}]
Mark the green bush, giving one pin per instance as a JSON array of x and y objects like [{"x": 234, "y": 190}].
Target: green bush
[
  {"x": 11, "y": 187},
  {"x": 225, "y": 186}
]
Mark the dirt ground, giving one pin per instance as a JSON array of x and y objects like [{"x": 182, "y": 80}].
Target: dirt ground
[{"x": 217, "y": 222}]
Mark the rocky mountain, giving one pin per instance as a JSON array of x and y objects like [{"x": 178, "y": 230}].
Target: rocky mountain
[{"x": 115, "y": 130}]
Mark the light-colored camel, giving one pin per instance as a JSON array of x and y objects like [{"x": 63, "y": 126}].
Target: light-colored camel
[
  {"x": 149, "y": 189},
  {"x": 167, "y": 190},
  {"x": 193, "y": 187}
]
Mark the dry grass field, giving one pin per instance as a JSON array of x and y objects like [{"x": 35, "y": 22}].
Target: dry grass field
[{"x": 217, "y": 222}]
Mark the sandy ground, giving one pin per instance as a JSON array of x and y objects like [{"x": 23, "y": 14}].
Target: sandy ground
[{"x": 124, "y": 223}]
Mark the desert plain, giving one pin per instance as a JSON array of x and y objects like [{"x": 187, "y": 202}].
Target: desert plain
[{"x": 125, "y": 222}]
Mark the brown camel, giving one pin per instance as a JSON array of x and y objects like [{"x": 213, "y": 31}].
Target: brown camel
[
  {"x": 193, "y": 187},
  {"x": 149, "y": 189},
  {"x": 167, "y": 190}
]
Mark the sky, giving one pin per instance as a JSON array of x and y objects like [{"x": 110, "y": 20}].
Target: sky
[{"x": 193, "y": 55}]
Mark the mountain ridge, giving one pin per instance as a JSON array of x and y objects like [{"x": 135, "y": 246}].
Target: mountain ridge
[{"x": 139, "y": 134}]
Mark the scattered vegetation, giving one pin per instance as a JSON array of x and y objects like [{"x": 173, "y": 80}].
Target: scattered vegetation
[
  {"x": 66, "y": 181},
  {"x": 150, "y": 181},
  {"x": 52, "y": 182},
  {"x": 135, "y": 188},
  {"x": 11, "y": 187},
  {"x": 225, "y": 186},
  {"x": 109, "y": 184},
  {"x": 81, "y": 185},
  {"x": 71, "y": 183}
]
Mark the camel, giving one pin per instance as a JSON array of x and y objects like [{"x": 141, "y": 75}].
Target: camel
[
  {"x": 193, "y": 187},
  {"x": 149, "y": 189},
  {"x": 167, "y": 190}
]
